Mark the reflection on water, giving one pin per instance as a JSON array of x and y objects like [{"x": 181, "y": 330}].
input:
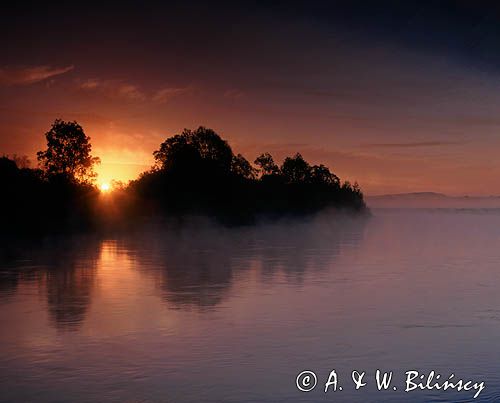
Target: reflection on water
[
  {"x": 195, "y": 267},
  {"x": 69, "y": 282},
  {"x": 204, "y": 313},
  {"x": 63, "y": 270}
]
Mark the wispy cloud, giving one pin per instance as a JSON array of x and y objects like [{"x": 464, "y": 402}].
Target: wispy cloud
[
  {"x": 119, "y": 89},
  {"x": 113, "y": 89},
  {"x": 30, "y": 75},
  {"x": 412, "y": 144},
  {"x": 166, "y": 94},
  {"x": 234, "y": 93}
]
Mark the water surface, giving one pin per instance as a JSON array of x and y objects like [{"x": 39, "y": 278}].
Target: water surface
[{"x": 202, "y": 313}]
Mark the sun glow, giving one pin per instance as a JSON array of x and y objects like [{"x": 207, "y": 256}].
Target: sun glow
[{"x": 105, "y": 187}]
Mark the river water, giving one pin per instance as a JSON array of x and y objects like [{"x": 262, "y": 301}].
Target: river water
[{"x": 202, "y": 313}]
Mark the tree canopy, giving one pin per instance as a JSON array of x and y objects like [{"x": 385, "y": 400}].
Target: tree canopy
[
  {"x": 68, "y": 153},
  {"x": 266, "y": 164},
  {"x": 192, "y": 146},
  {"x": 197, "y": 171}
]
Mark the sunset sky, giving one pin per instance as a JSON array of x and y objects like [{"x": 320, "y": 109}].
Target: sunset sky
[{"x": 399, "y": 96}]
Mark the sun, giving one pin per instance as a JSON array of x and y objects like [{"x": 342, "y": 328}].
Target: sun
[{"x": 105, "y": 187}]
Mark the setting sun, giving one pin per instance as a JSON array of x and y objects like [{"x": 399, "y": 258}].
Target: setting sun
[{"x": 105, "y": 187}]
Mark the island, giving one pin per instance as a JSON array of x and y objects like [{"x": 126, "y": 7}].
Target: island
[{"x": 195, "y": 173}]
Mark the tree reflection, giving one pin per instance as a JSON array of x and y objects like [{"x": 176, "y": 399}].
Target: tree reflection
[
  {"x": 195, "y": 266},
  {"x": 70, "y": 279},
  {"x": 64, "y": 268},
  {"x": 9, "y": 281}
]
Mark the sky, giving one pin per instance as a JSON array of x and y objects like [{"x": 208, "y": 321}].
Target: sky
[{"x": 400, "y": 96}]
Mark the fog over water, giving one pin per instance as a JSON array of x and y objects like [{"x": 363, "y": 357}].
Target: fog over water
[{"x": 199, "y": 312}]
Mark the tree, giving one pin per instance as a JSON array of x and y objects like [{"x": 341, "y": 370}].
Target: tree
[
  {"x": 8, "y": 168},
  {"x": 320, "y": 174},
  {"x": 68, "y": 153},
  {"x": 22, "y": 161},
  {"x": 242, "y": 167},
  {"x": 295, "y": 169},
  {"x": 266, "y": 164},
  {"x": 191, "y": 145}
]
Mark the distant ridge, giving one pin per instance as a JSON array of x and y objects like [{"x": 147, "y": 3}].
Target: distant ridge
[
  {"x": 412, "y": 194},
  {"x": 431, "y": 200}
]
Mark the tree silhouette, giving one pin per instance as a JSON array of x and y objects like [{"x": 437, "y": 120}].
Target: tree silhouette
[
  {"x": 21, "y": 161},
  {"x": 320, "y": 174},
  {"x": 266, "y": 164},
  {"x": 196, "y": 173},
  {"x": 68, "y": 153},
  {"x": 242, "y": 167},
  {"x": 295, "y": 169},
  {"x": 192, "y": 146}
]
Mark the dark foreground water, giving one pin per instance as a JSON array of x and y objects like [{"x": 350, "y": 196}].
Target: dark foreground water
[{"x": 204, "y": 314}]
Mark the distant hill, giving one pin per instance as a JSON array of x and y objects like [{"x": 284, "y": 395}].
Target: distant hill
[{"x": 431, "y": 200}]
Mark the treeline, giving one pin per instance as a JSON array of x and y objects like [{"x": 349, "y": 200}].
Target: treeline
[
  {"x": 195, "y": 172},
  {"x": 57, "y": 195},
  {"x": 33, "y": 202}
]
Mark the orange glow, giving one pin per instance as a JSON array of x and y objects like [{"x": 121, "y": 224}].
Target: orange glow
[
  {"x": 121, "y": 166},
  {"x": 105, "y": 187}
]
